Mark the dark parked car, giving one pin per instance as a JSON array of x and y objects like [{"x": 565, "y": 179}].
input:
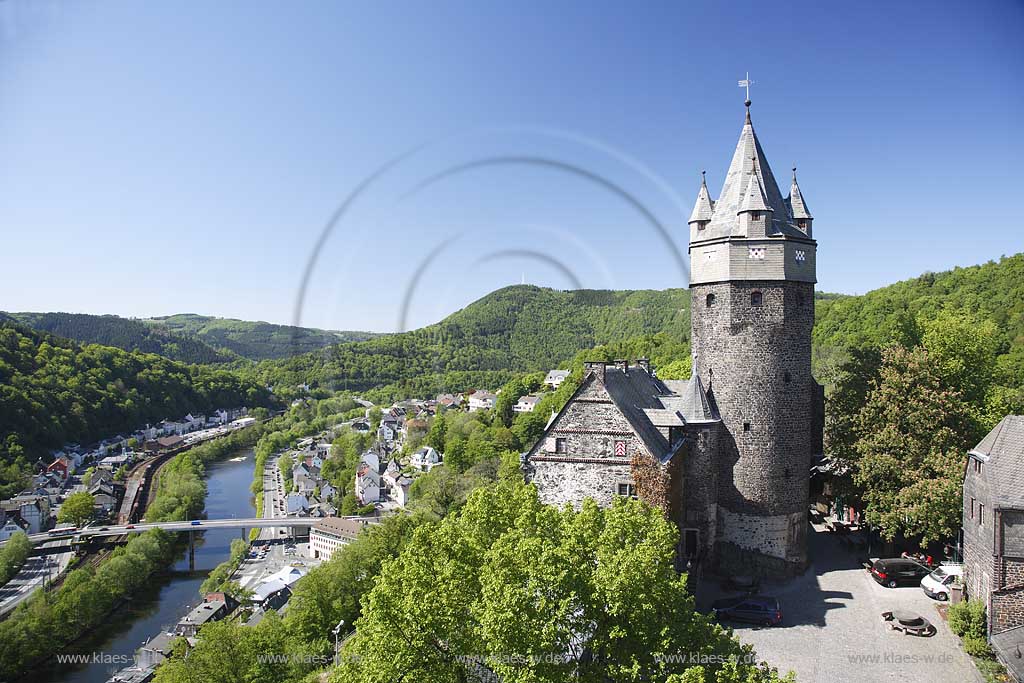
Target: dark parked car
[
  {"x": 756, "y": 609},
  {"x": 899, "y": 571}
]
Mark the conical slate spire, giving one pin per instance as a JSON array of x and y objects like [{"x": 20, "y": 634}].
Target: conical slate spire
[
  {"x": 704, "y": 207},
  {"x": 753, "y": 198},
  {"x": 696, "y": 407},
  {"x": 748, "y": 162},
  {"x": 797, "y": 206}
]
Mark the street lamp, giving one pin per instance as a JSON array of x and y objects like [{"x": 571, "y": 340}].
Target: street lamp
[{"x": 336, "y": 631}]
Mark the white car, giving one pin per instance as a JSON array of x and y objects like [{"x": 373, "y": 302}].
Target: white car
[{"x": 936, "y": 585}]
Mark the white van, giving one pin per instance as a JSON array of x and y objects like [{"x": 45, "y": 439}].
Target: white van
[{"x": 936, "y": 585}]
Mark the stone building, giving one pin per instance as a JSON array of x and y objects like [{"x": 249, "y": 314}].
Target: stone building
[
  {"x": 993, "y": 524},
  {"x": 727, "y": 453}
]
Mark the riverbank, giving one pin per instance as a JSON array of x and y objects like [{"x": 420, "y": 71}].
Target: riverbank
[{"x": 18, "y": 658}]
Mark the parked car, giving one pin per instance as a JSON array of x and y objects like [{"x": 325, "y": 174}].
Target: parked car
[
  {"x": 936, "y": 585},
  {"x": 755, "y": 609},
  {"x": 898, "y": 571}
]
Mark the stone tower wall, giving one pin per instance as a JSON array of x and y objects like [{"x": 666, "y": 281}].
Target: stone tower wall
[{"x": 756, "y": 363}]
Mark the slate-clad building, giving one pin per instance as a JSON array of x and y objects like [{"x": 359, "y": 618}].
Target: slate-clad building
[
  {"x": 993, "y": 524},
  {"x": 727, "y": 453}
]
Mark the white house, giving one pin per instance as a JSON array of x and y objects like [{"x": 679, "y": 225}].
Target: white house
[
  {"x": 10, "y": 525},
  {"x": 555, "y": 378},
  {"x": 330, "y": 533},
  {"x": 425, "y": 459},
  {"x": 481, "y": 400},
  {"x": 392, "y": 473},
  {"x": 400, "y": 490},
  {"x": 296, "y": 504},
  {"x": 372, "y": 459},
  {"x": 327, "y": 492},
  {"x": 388, "y": 431},
  {"x": 34, "y": 510},
  {"x": 526, "y": 404},
  {"x": 367, "y": 485}
]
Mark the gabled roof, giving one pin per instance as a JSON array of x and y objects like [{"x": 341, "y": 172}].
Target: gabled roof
[
  {"x": 1002, "y": 451},
  {"x": 648, "y": 403},
  {"x": 691, "y": 400}
]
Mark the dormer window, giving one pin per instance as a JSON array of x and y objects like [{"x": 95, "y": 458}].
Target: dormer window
[
  {"x": 701, "y": 225},
  {"x": 754, "y": 215}
]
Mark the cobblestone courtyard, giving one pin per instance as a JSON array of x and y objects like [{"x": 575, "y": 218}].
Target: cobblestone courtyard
[{"x": 832, "y": 631}]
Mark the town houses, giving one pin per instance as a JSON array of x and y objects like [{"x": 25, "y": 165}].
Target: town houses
[{"x": 99, "y": 468}]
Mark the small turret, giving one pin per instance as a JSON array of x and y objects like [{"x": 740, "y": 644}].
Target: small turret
[
  {"x": 798, "y": 207},
  {"x": 703, "y": 209},
  {"x": 754, "y": 212}
]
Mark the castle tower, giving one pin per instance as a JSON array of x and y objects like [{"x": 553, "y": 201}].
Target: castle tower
[{"x": 752, "y": 279}]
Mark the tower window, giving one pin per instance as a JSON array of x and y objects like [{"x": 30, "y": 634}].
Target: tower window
[
  {"x": 756, "y": 298},
  {"x": 710, "y": 300},
  {"x": 786, "y": 377},
  {"x": 746, "y": 426},
  {"x": 756, "y": 253},
  {"x": 800, "y": 255}
]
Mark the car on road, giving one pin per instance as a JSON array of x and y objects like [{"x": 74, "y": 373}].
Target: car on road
[
  {"x": 130, "y": 526},
  {"x": 936, "y": 585},
  {"x": 755, "y": 609},
  {"x": 898, "y": 571},
  {"x": 196, "y": 523}
]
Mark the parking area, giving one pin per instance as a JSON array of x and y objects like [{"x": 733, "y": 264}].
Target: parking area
[{"x": 832, "y": 630}]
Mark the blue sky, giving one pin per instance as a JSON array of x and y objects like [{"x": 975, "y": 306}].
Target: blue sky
[{"x": 184, "y": 157}]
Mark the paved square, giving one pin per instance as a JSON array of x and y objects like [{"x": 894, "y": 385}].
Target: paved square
[{"x": 832, "y": 630}]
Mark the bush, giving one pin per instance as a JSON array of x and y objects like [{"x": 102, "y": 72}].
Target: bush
[
  {"x": 977, "y": 647},
  {"x": 967, "y": 619}
]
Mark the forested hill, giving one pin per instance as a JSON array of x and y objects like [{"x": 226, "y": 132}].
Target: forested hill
[
  {"x": 126, "y": 334},
  {"x": 53, "y": 390},
  {"x": 515, "y": 329},
  {"x": 187, "y": 337},
  {"x": 253, "y": 340},
  {"x": 524, "y": 328},
  {"x": 992, "y": 291}
]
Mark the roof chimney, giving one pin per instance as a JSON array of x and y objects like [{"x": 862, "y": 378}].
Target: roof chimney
[
  {"x": 597, "y": 367},
  {"x": 622, "y": 364},
  {"x": 645, "y": 364}
]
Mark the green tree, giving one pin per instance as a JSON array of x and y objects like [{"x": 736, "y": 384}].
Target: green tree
[
  {"x": 438, "y": 428},
  {"x": 13, "y": 555},
  {"x": 535, "y": 593},
  {"x": 913, "y": 434},
  {"x": 77, "y": 509}
]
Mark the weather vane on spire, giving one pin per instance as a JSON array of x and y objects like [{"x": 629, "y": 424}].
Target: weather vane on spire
[{"x": 746, "y": 83}]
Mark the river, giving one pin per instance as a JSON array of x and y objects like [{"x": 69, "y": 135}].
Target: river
[{"x": 173, "y": 594}]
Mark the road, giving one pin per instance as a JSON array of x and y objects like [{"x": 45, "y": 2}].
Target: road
[{"x": 35, "y": 572}]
